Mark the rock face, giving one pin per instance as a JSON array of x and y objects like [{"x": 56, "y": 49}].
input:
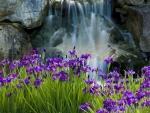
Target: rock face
[
  {"x": 13, "y": 41},
  {"x": 130, "y": 2},
  {"x": 137, "y": 22},
  {"x": 8, "y": 7},
  {"x": 126, "y": 56},
  {"x": 51, "y": 52},
  {"x": 56, "y": 39},
  {"x": 30, "y": 13}
]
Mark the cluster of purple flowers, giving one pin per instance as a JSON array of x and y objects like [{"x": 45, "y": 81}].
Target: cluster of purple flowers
[
  {"x": 63, "y": 70},
  {"x": 92, "y": 86},
  {"x": 35, "y": 69},
  {"x": 114, "y": 85}
]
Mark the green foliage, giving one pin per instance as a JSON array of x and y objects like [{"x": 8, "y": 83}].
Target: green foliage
[{"x": 53, "y": 94}]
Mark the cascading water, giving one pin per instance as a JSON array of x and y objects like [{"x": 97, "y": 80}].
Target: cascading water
[{"x": 86, "y": 29}]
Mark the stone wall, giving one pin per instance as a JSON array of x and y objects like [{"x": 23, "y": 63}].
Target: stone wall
[
  {"x": 15, "y": 16},
  {"x": 134, "y": 16}
]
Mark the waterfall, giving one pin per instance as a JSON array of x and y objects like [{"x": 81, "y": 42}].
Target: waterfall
[{"x": 85, "y": 29}]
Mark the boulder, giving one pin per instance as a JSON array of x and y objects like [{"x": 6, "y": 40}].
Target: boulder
[
  {"x": 138, "y": 24},
  {"x": 30, "y": 13},
  {"x": 126, "y": 57},
  {"x": 41, "y": 35},
  {"x": 130, "y": 2},
  {"x": 8, "y": 7},
  {"x": 51, "y": 52},
  {"x": 13, "y": 41},
  {"x": 57, "y": 37},
  {"x": 122, "y": 48}
]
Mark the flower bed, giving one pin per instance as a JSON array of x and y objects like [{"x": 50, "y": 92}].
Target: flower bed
[{"x": 55, "y": 85}]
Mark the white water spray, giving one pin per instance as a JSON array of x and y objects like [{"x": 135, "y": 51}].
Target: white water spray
[{"x": 89, "y": 33}]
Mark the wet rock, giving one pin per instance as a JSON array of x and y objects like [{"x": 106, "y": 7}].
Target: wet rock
[
  {"x": 122, "y": 11},
  {"x": 57, "y": 38},
  {"x": 51, "y": 52},
  {"x": 130, "y": 2},
  {"x": 8, "y": 7},
  {"x": 115, "y": 36},
  {"x": 57, "y": 41},
  {"x": 138, "y": 24},
  {"x": 30, "y": 13},
  {"x": 127, "y": 56},
  {"x": 38, "y": 41},
  {"x": 13, "y": 41},
  {"x": 41, "y": 36}
]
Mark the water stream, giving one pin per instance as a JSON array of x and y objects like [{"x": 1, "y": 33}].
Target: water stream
[{"x": 86, "y": 29}]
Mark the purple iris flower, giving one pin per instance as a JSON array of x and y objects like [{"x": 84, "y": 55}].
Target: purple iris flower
[
  {"x": 37, "y": 81},
  {"x": 37, "y": 69},
  {"x": 12, "y": 65},
  {"x": 113, "y": 74},
  {"x": 140, "y": 94},
  {"x": 109, "y": 60},
  {"x": 30, "y": 70},
  {"x": 4, "y": 62},
  {"x": 50, "y": 68},
  {"x": 12, "y": 76},
  {"x": 102, "y": 110},
  {"x": 49, "y": 60},
  {"x": 86, "y": 68},
  {"x": 32, "y": 61},
  {"x": 96, "y": 70},
  {"x": 77, "y": 72},
  {"x": 110, "y": 80},
  {"x": 145, "y": 69},
  {"x": 147, "y": 93},
  {"x": 1, "y": 72},
  {"x": 81, "y": 61},
  {"x": 26, "y": 57},
  {"x": 116, "y": 69},
  {"x": 9, "y": 94},
  {"x": 145, "y": 84},
  {"x": 36, "y": 56},
  {"x": 109, "y": 105},
  {"x": 121, "y": 101},
  {"x": 72, "y": 52},
  {"x": 94, "y": 89},
  {"x": 118, "y": 87},
  {"x": 85, "y": 56},
  {"x": 7, "y": 79},
  {"x": 33, "y": 51},
  {"x": 131, "y": 72},
  {"x": 27, "y": 80},
  {"x": 104, "y": 76},
  {"x": 85, "y": 90},
  {"x": 146, "y": 103},
  {"x": 129, "y": 97},
  {"x": 85, "y": 106},
  {"x": 1, "y": 79},
  {"x": 54, "y": 78},
  {"x": 15, "y": 64},
  {"x": 89, "y": 81},
  {"x": 121, "y": 108},
  {"x": 19, "y": 86},
  {"x": 44, "y": 50},
  {"x": 63, "y": 78},
  {"x": 127, "y": 93}
]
